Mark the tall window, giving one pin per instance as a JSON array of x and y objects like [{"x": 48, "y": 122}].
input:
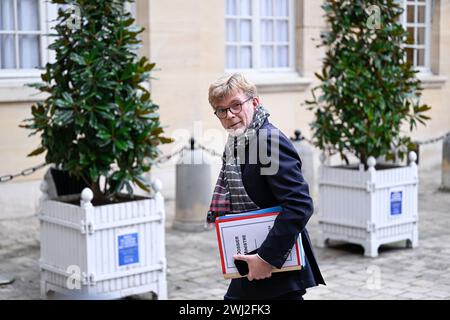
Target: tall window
[
  {"x": 259, "y": 34},
  {"x": 21, "y": 34},
  {"x": 417, "y": 21}
]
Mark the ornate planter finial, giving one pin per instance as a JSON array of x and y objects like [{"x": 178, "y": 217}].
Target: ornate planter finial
[
  {"x": 86, "y": 197},
  {"x": 412, "y": 157},
  {"x": 157, "y": 185},
  {"x": 371, "y": 162}
]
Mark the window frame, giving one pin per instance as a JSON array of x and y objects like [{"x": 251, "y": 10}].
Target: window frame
[
  {"x": 132, "y": 8},
  {"x": 256, "y": 41},
  {"x": 13, "y": 82},
  {"x": 426, "y": 68},
  {"x": 47, "y": 13}
]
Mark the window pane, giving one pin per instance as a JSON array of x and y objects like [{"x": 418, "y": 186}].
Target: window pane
[
  {"x": 282, "y": 33},
  {"x": 28, "y": 13},
  {"x": 245, "y": 8},
  {"x": 420, "y": 58},
  {"x": 410, "y": 55},
  {"x": 246, "y": 57},
  {"x": 267, "y": 56},
  {"x": 420, "y": 35},
  {"x": 266, "y": 7},
  {"x": 421, "y": 14},
  {"x": 267, "y": 30},
  {"x": 246, "y": 31},
  {"x": 29, "y": 48},
  {"x": 271, "y": 47},
  {"x": 410, "y": 13},
  {"x": 410, "y": 39},
  {"x": 282, "y": 56},
  {"x": 281, "y": 8},
  {"x": 6, "y": 15},
  {"x": 7, "y": 52},
  {"x": 231, "y": 57},
  {"x": 231, "y": 7},
  {"x": 231, "y": 30}
]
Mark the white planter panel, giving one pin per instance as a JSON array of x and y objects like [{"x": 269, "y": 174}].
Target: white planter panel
[
  {"x": 103, "y": 252},
  {"x": 369, "y": 208}
]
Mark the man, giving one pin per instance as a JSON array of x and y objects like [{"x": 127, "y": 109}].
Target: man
[{"x": 245, "y": 186}]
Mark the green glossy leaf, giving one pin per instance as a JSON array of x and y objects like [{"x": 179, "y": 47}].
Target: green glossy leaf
[
  {"x": 367, "y": 89},
  {"x": 121, "y": 145},
  {"x": 97, "y": 120},
  {"x": 77, "y": 58},
  {"x": 37, "y": 152}
]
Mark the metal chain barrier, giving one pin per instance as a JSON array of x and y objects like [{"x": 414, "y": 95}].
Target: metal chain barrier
[
  {"x": 168, "y": 157},
  {"x": 434, "y": 140},
  {"x": 23, "y": 173},
  {"x": 210, "y": 151},
  {"x": 425, "y": 142},
  {"x": 164, "y": 158},
  {"x": 193, "y": 145}
]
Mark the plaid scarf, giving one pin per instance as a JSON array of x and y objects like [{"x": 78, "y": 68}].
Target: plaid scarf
[{"x": 229, "y": 194}]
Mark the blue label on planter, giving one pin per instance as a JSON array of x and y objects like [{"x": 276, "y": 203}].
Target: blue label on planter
[
  {"x": 396, "y": 202},
  {"x": 128, "y": 249}
]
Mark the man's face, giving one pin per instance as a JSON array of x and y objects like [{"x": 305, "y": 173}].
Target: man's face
[{"x": 236, "y": 124}]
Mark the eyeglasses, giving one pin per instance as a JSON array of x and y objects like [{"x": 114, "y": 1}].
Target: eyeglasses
[{"x": 235, "y": 108}]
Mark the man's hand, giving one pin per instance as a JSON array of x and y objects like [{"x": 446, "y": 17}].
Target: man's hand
[{"x": 258, "y": 268}]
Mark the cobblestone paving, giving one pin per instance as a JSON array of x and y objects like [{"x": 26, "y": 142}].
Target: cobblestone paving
[{"x": 194, "y": 270}]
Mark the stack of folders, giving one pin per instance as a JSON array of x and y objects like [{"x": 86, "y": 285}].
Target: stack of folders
[{"x": 244, "y": 233}]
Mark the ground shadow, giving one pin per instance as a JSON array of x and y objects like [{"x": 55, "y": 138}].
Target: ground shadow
[{"x": 351, "y": 248}]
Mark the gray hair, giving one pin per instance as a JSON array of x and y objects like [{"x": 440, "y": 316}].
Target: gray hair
[{"x": 227, "y": 85}]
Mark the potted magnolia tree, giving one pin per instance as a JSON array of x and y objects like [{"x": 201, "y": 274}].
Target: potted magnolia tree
[
  {"x": 100, "y": 125},
  {"x": 368, "y": 97}
]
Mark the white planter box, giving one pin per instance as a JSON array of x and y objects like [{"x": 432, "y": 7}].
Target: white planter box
[
  {"x": 369, "y": 208},
  {"x": 103, "y": 252}
]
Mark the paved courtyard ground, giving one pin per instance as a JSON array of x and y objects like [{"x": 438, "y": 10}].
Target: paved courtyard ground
[{"x": 194, "y": 270}]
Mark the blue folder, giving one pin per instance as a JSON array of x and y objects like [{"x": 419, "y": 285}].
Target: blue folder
[{"x": 267, "y": 210}]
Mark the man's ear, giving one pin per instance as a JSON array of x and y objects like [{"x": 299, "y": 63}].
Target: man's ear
[{"x": 255, "y": 102}]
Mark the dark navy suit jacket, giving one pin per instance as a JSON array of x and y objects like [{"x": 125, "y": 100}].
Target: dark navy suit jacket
[{"x": 288, "y": 189}]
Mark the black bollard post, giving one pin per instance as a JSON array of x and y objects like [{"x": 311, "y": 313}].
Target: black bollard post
[{"x": 297, "y": 136}]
